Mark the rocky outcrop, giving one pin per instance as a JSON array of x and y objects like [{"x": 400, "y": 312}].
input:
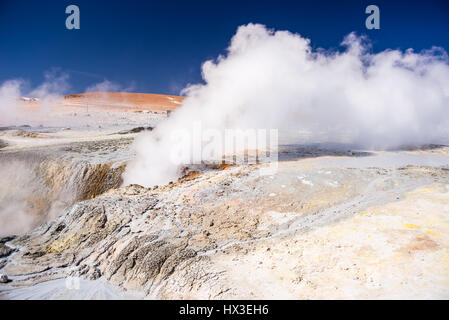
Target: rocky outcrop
[
  {"x": 4, "y": 250},
  {"x": 4, "y": 278},
  {"x": 233, "y": 233},
  {"x": 39, "y": 185}
]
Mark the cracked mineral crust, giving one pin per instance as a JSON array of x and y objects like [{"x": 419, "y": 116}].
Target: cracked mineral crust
[{"x": 318, "y": 228}]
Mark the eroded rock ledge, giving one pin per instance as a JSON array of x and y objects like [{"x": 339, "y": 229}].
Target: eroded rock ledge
[{"x": 301, "y": 233}]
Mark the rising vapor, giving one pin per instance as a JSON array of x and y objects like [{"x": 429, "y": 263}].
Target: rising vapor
[
  {"x": 49, "y": 93},
  {"x": 274, "y": 79}
]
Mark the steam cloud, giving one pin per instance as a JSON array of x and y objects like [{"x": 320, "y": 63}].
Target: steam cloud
[
  {"x": 14, "y": 109},
  {"x": 15, "y": 98},
  {"x": 26, "y": 199},
  {"x": 274, "y": 79}
]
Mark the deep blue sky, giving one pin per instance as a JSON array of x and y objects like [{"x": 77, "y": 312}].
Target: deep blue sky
[{"x": 159, "y": 46}]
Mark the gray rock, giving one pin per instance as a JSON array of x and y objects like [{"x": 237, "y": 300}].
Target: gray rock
[
  {"x": 3, "y": 144},
  {"x": 5, "y": 250},
  {"x": 4, "y": 278}
]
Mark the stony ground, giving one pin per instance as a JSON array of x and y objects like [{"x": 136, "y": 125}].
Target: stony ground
[
  {"x": 47, "y": 166},
  {"x": 325, "y": 225}
]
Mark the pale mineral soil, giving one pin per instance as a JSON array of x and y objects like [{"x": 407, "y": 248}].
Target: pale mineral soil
[
  {"x": 66, "y": 289},
  {"x": 329, "y": 223},
  {"x": 66, "y": 127},
  {"x": 59, "y": 158},
  {"x": 324, "y": 225}
]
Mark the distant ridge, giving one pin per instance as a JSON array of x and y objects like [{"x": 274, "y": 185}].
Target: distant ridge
[{"x": 124, "y": 101}]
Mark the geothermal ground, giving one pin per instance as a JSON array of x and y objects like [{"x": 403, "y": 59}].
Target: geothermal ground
[
  {"x": 328, "y": 224},
  {"x": 68, "y": 153}
]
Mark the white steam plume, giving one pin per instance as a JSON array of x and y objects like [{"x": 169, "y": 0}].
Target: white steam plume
[
  {"x": 19, "y": 106},
  {"x": 10, "y": 104},
  {"x": 15, "y": 104},
  {"x": 273, "y": 79}
]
